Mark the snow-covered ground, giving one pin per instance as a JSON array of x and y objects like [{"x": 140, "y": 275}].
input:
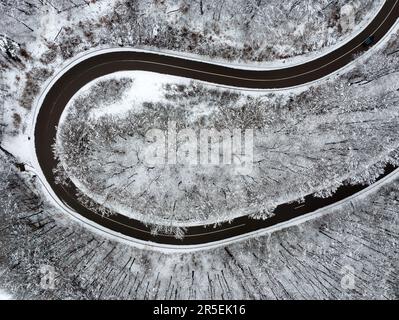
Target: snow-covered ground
[
  {"x": 349, "y": 253},
  {"x": 265, "y": 33},
  {"x": 358, "y": 239},
  {"x": 12, "y": 142},
  {"x": 46, "y": 35},
  {"x": 4, "y": 295}
]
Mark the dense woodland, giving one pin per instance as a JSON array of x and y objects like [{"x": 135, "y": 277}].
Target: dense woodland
[
  {"x": 358, "y": 112},
  {"x": 308, "y": 143}
]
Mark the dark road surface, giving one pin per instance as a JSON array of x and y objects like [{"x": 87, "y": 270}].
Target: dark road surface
[{"x": 91, "y": 68}]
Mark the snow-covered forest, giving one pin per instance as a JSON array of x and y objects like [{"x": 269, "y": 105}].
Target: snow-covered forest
[
  {"x": 309, "y": 261},
  {"x": 234, "y": 30},
  {"x": 309, "y": 140},
  {"x": 305, "y": 143},
  {"x": 37, "y": 37}
]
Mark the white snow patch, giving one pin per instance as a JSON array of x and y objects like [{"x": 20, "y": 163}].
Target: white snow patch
[
  {"x": 147, "y": 86},
  {"x": 18, "y": 145},
  {"x": 4, "y": 295},
  {"x": 384, "y": 84}
]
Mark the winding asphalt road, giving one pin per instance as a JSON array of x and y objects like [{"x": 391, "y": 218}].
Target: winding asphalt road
[{"x": 91, "y": 68}]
